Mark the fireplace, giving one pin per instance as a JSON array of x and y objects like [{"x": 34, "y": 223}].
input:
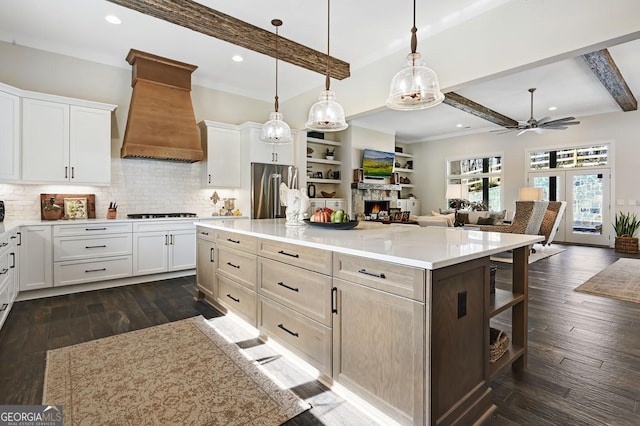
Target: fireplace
[{"x": 375, "y": 207}]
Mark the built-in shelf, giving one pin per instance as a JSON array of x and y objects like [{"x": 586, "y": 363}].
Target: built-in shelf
[
  {"x": 323, "y": 161},
  {"x": 401, "y": 170},
  {"x": 317, "y": 180},
  {"x": 505, "y": 360},
  {"x": 402, "y": 154},
  {"x": 406, "y": 185},
  {"x": 323, "y": 141},
  {"x": 502, "y": 300}
]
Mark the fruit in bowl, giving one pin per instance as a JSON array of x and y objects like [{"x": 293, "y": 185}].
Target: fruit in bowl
[{"x": 322, "y": 214}]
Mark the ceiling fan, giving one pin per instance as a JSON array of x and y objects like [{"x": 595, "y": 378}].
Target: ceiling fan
[{"x": 533, "y": 125}]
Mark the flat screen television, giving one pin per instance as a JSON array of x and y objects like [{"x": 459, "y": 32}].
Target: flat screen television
[{"x": 377, "y": 164}]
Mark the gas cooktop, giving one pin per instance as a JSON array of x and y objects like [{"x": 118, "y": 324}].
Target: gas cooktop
[{"x": 159, "y": 215}]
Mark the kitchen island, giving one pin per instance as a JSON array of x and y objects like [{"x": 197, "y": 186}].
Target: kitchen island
[{"x": 397, "y": 315}]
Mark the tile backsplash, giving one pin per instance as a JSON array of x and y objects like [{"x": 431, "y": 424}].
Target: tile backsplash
[{"x": 138, "y": 186}]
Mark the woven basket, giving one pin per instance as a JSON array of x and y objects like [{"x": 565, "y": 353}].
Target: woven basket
[
  {"x": 626, "y": 244},
  {"x": 499, "y": 344}
]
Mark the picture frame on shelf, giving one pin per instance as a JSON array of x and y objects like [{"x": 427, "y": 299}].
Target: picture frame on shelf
[
  {"x": 405, "y": 216},
  {"x": 318, "y": 175},
  {"x": 395, "y": 214}
]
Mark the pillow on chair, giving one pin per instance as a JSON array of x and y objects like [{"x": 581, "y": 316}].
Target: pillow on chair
[{"x": 485, "y": 221}]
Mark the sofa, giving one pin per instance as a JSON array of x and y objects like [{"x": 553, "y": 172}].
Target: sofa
[{"x": 467, "y": 217}]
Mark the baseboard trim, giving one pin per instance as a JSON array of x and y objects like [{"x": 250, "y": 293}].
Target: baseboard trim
[{"x": 99, "y": 285}]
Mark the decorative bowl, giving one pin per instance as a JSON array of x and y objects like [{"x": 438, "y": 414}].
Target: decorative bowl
[{"x": 333, "y": 225}]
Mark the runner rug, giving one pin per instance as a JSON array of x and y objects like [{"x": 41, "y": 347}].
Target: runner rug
[
  {"x": 177, "y": 373},
  {"x": 620, "y": 280}
]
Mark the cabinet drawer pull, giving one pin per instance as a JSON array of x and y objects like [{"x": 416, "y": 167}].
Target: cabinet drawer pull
[
  {"x": 287, "y": 330},
  {"x": 19, "y": 238},
  {"x": 334, "y": 300},
  {"x": 280, "y": 283},
  {"x": 204, "y": 233},
  {"x": 233, "y": 241},
  {"x": 4, "y": 307},
  {"x": 13, "y": 260},
  {"x": 373, "y": 274},
  {"x": 288, "y": 254},
  {"x": 95, "y": 229},
  {"x": 232, "y": 265},
  {"x": 4, "y": 271},
  {"x": 211, "y": 255},
  {"x": 5, "y": 244},
  {"x": 95, "y": 270},
  {"x": 90, "y": 247},
  {"x": 233, "y": 298}
]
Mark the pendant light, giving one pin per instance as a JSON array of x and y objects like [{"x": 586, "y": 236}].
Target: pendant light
[
  {"x": 327, "y": 115},
  {"x": 276, "y": 131},
  {"x": 415, "y": 86}
]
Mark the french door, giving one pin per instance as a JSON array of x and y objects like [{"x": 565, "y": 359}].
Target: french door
[{"x": 587, "y": 193}]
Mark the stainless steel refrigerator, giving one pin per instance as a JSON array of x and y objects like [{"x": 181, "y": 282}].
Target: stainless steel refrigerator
[{"x": 265, "y": 189}]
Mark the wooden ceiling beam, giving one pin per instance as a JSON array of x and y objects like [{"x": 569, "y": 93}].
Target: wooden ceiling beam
[
  {"x": 197, "y": 17},
  {"x": 473, "y": 108},
  {"x": 605, "y": 68}
]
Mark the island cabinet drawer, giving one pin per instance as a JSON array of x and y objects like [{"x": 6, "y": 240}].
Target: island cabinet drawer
[
  {"x": 307, "y": 338},
  {"x": 237, "y": 241},
  {"x": 88, "y": 247},
  {"x": 236, "y": 298},
  {"x": 304, "y": 291},
  {"x": 401, "y": 280},
  {"x": 206, "y": 233},
  {"x": 305, "y": 257},
  {"x": 85, "y": 271},
  {"x": 238, "y": 265},
  {"x": 89, "y": 228}
]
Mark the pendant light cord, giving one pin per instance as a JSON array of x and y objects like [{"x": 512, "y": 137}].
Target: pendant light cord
[
  {"x": 327, "y": 82},
  {"x": 414, "y": 37},
  {"x": 276, "y": 23}
]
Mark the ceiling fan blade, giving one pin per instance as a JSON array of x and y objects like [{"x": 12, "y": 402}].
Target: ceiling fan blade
[
  {"x": 523, "y": 131},
  {"x": 559, "y": 120},
  {"x": 543, "y": 120},
  {"x": 538, "y": 130}
]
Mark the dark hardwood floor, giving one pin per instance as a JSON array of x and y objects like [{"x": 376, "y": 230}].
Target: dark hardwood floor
[{"x": 584, "y": 350}]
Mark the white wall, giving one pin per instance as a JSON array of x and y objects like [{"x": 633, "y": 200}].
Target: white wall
[
  {"x": 620, "y": 128},
  {"x": 137, "y": 185}
]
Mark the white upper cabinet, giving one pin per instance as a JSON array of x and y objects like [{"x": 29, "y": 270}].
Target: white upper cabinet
[
  {"x": 9, "y": 136},
  {"x": 65, "y": 143},
  {"x": 222, "y": 162},
  {"x": 262, "y": 152}
]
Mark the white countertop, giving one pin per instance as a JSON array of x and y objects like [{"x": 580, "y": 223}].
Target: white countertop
[
  {"x": 423, "y": 247},
  {"x": 9, "y": 226}
]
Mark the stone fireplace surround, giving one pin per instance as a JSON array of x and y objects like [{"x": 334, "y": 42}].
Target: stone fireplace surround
[{"x": 372, "y": 193}]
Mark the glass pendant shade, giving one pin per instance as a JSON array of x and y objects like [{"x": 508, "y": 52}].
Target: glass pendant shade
[
  {"x": 326, "y": 115},
  {"x": 275, "y": 131},
  {"x": 415, "y": 86}
]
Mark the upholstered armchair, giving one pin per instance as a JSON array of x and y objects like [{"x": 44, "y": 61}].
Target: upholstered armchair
[{"x": 526, "y": 220}]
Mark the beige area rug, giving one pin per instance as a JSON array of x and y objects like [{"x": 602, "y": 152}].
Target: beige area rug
[
  {"x": 177, "y": 373},
  {"x": 620, "y": 280},
  {"x": 541, "y": 253}
]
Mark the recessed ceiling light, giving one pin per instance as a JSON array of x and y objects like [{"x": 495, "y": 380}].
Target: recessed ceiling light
[
  {"x": 113, "y": 19},
  {"x": 553, "y": 108},
  {"x": 458, "y": 125},
  {"x": 237, "y": 58}
]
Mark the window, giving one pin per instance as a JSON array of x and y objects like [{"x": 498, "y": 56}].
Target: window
[
  {"x": 586, "y": 156},
  {"x": 483, "y": 178}
]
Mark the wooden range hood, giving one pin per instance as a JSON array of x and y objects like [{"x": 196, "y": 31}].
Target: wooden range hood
[{"x": 161, "y": 123}]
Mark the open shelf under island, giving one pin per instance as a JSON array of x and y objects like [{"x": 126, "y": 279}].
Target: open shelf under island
[{"x": 397, "y": 315}]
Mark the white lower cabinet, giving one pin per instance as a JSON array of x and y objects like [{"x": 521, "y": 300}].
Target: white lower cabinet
[
  {"x": 160, "y": 246},
  {"x": 332, "y": 203},
  {"x": 8, "y": 274},
  {"x": 36, "y": 251},
  {"x": 84, "y": 253}
]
